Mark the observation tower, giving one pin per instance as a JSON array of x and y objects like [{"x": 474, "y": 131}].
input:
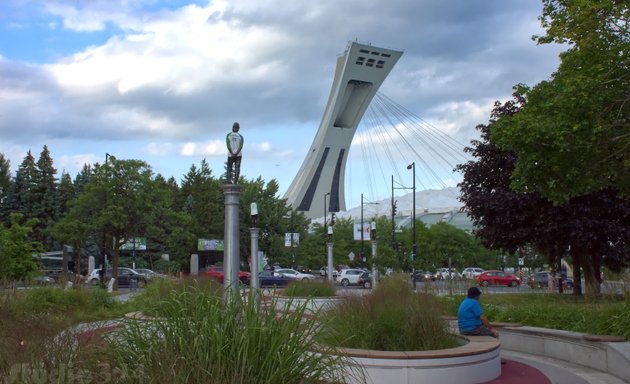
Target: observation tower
[{"x": 318, "y": 187}]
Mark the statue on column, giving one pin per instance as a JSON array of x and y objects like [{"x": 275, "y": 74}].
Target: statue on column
[{"x": 234, "y": 141}]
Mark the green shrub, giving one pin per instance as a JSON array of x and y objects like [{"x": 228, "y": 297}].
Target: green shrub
[
  {"x": 310, "y": 288},
  {"x": 199, "y": 338},
  {"x": 155, "y": 294},
  {"x": 392, "y": 318}
]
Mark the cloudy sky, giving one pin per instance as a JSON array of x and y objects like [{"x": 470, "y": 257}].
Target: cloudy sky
[{"x": 163, "y": 80}]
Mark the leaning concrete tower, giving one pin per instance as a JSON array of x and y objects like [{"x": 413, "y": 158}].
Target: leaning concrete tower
[{"x": 319, "y": 185}]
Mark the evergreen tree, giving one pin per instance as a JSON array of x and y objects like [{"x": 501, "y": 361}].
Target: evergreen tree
[
  {"x": 5, "y": 187},
  {"x": 21, "y": 195},
  {"x": 45, "y": 203},
  {"x": 66, "y": 192}
]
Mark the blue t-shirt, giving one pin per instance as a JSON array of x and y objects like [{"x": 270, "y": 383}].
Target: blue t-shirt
[{"x": 468, "y": 315}]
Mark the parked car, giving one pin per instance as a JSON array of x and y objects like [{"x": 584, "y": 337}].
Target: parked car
[
  {"x": 541, "y": 280},
  {"x": 349, "y": 276},
  {"x": 125, "y": 277},
  {"x": 494, "y": 277},
  {"x": 444, "y": 273},
  {"x": 423, "y": 275},
  {"x": 216, "y": 272},
  {"x": 323, "y": 272},
  {"x": 273, "y": 279},
  {"x": 365, "y": 280},
  {"x": 149, "y": 273},
  {"x": 471, "y": 272},
  {"x": 293, "y": 274}
]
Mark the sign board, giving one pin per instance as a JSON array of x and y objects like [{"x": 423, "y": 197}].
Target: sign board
[
  {"x": 521, "y": 261},
  {"x": 209, "y": 245},
  {"x": 366, "y": 231},
  {"x": 137, "y": 244},
  {"x": 291, "y": 239}
]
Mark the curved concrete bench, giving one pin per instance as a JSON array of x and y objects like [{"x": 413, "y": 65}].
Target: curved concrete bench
[
  {"x": 476, "y": 361},
  {"x": 610, "y": 354}
]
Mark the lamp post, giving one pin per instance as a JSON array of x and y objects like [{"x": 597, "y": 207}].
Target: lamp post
[
  {"x": 412, "y": 166},
  {"x": 104, "y": 265},
  {"x": 325, "y": 219}
]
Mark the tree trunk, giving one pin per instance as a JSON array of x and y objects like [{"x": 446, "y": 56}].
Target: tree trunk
[{"x": 589, "y": 267}]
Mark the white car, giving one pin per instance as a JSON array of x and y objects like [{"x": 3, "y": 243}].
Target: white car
[
  {"x": 293, "y": 274},
  {"x": 472, "y": 272},
  {"x": 349, "y": 276},
  {"x": 323, "y": 272},
  {"x": 444, "y": 273}
]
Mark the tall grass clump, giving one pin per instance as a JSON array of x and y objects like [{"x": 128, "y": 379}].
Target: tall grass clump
[
  {"x": 201, "y": 338},
  {"x": 606, "y": 315},
  {"x": 310, "y": 288},
  {"x": 36, "y": 345},
  {"x": 157, "y": 293},
  {"x": 392, "y": 318}
]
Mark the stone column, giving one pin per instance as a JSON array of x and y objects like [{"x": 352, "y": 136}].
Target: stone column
[
  {"x": 194, "y": 264},
  {"x": 255, "y": 282},
  {"x": 231, "y": 252}
]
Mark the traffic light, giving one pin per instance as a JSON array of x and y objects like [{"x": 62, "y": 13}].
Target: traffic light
[
  {"x": 394, "y": 208},
  {"x": 332, "y": 219}
]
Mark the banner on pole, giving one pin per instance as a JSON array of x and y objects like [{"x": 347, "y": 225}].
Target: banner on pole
[
  {"x": 366, "y": 231},
  {"x": 291, "y": 239}
]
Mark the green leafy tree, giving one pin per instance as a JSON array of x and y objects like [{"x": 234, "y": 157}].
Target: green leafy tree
[
  {"x": 590, "y": 226},
  {"x": 16, "y": 250},
  {"x": 573, "y": 136},
  {"x": 118, "y": 204}
]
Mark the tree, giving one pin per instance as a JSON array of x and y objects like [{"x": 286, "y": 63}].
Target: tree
[
  {"x": 21, "y": 197},
  {"x": 5, "y": 186},
  {"x": 588, "y": 226},
  {"x": 45, "y": 202},
  {"x": 573, "y": 136},
  {"x": 16, "y": 250},
  {"x": 117, "y": 204}
]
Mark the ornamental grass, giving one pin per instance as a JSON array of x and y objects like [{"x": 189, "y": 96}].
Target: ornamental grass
[
  {"x": 200, "y": 337},
  {"x": 392, "y": 318}
]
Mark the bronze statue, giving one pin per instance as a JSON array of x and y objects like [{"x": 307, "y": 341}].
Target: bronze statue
[{"x": 234, "y": 141}]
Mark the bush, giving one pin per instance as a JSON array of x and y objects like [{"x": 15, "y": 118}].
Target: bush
[
  {"x": 392, "y": 318},
  {"x": 200, "y": 338},
  {"x": 310, "y": 288},
  {"x": 153, "y": 297}
]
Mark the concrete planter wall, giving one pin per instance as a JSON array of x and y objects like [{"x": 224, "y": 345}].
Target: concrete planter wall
[
  {"x": 313, "y": 305},
  {"x": 477, "y": 361}
]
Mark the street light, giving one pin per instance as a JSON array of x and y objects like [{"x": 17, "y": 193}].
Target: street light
[{"x": 413, "y": 215}]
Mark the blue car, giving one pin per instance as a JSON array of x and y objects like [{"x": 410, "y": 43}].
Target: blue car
[{"x": 273, "y": 279}]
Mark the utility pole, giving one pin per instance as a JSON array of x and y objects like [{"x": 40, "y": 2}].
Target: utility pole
[{"x": 413, "y": 223}]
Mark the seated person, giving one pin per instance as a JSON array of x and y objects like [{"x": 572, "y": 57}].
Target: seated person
[{"x": 470, "y": 317}]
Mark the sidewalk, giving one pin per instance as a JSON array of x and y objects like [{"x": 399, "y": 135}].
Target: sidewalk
[{"x": 521, "y": 368}]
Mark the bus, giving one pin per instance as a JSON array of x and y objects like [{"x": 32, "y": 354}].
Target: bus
[{"x": 51, "y": 264}]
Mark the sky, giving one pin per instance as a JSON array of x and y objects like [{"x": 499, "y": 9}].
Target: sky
[{"x": 163, "y": 81}]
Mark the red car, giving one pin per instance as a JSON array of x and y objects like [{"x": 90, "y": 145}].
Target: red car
[
  {"x": 498, "y": 278},
  {"x": 216, "y": 272}
]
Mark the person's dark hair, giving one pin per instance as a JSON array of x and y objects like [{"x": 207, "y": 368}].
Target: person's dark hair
[{"x": 474, "y": 292}]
